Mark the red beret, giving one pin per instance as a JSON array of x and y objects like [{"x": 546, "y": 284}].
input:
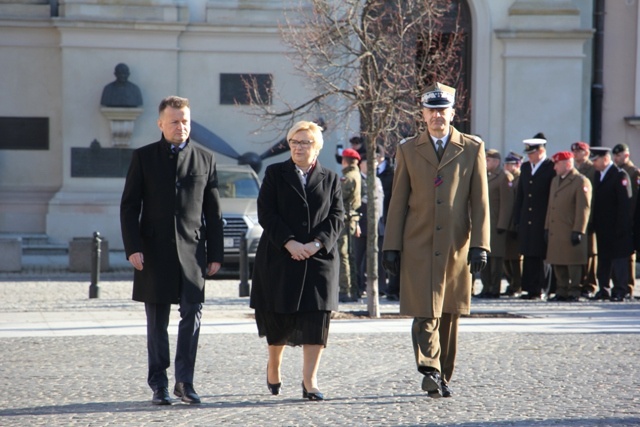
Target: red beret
[
  {"x": 580, "y": 146},
  {"x": 350, "y": 152},
  {"x": 562, "y": 155}
]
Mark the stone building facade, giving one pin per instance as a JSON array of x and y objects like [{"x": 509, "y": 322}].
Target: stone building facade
[{"x": 61, "y": 173}]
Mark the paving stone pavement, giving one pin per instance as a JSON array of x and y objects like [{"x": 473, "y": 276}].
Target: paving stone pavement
[{"x": 558, "y": 365}]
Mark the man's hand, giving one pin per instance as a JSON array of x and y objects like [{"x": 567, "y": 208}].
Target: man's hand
[
  {"x": 137, "y": 260},
  {"x": 213, "y": 268},
  {"x": 391, "y": 262},
  {"x": 576, "y": 238},
  {"x": 477, "y": 259}
]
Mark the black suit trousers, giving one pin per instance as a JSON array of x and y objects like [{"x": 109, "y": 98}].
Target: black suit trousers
[{"x": 158, "y": 342}]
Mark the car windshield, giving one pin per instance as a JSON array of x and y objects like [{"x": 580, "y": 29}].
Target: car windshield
[{"x": 237, "y": 185}]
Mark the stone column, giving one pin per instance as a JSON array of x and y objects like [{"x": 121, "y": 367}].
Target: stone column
[{"x": 544, "y": 73}]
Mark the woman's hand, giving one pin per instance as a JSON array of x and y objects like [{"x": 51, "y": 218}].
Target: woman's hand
[{"x": 300, "y": 251}]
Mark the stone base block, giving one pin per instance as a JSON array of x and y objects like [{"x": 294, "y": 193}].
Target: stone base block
[
  {"x": 11, "y": 254},
  {"x": 81, "y": 254}
]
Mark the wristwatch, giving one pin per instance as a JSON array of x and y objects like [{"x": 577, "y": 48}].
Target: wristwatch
[{"x": 317, "y": 244}]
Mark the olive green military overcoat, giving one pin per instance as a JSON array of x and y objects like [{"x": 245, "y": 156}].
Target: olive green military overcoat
[
  {"x": 501, "y": 199},
  {"x": 438, "y": 210},
  {"x": 568, "y": 210}
]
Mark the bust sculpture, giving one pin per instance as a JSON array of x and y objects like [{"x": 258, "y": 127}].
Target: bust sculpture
[{"x": 121, "y": 92}]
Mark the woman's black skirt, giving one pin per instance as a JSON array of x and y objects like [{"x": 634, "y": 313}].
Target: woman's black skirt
[{"x": 294, "y": 329}]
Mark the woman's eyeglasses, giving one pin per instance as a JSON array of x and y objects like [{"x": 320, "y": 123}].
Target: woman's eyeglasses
[{"x": 298, "y": 143}]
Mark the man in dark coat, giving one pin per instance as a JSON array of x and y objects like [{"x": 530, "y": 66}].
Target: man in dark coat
[
  {"x": 385, "y": 173},
  {"x": 621, "y": 158},
  {"x": 532, "y": 198},
  {"x": 612, "y": 225},
  {"x": 512, "y": 256},
  {"x": 172, "y": 231}
]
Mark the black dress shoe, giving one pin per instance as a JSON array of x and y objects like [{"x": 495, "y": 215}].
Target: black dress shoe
[
  {"x": 617, "y": 298},
  {"x": 311, "y": 395},
  {"x": 446, "y": 390},
  {"x": 432, "y": 384},
  {"x": 161, "y": 396},
  {"x": 601, "y": 295},
  {"x": 558, "y": 298},
  {"x": 186, "y": 393},
  {"x": 273, "y": 388},
  {"x": 586, "y": 294},
  {"x": 392, "y": 297}
]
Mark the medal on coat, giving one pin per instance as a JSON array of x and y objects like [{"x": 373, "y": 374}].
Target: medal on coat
[{"x": 438, "y": 181}]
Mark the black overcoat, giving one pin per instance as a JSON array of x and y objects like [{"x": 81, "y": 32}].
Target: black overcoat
[
  {"x": 288, "y": 211},
  {"x": 532, "y": 199},
  {"x": 611, "y": 206},
  {"x": 170, "y": 211}
]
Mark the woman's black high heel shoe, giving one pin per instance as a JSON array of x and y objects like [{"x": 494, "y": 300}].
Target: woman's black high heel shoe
[
  {"x": 311, "y": 395},
  {"x": 273, "y": 388}
]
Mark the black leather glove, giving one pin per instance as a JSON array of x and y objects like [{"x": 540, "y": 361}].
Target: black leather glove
[
  {"x": 576, "y": 238},
  {"x": 477, "y": 259},
  {"x": 391, "y": 262},
  {"x": 500, "y": 230},
  {"x": 546, "y": 237}
]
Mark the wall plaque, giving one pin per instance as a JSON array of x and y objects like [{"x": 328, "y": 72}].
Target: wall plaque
[
  {"x": 24, "y": 133},
  {"x": 98, "y": 162}
]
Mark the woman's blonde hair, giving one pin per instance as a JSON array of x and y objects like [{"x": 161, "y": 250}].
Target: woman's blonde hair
[{"x": 315, "y": 129}]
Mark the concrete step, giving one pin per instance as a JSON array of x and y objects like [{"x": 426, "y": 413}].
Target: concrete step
[{"x": 38, "y": 244}]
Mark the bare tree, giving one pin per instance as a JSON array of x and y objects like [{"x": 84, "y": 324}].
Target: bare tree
[{"x": 373, "y": 58}]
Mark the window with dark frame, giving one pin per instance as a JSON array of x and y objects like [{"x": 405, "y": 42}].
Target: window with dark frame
[{"x": 245, "y": 89}]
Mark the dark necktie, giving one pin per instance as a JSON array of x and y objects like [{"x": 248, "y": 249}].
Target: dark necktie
[{"x": 439, "y": 149}]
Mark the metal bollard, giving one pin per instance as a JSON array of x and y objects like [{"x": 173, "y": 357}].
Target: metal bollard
[
  {"x": 243, "y": 288},
  {"x": 96, "y": 253}
]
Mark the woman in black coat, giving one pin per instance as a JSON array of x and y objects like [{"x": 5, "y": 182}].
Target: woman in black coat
[{"x": 295, "y": 278}]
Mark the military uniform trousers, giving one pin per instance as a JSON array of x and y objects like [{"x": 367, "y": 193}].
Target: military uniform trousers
[
  {"x": 536, "y": 276},
  {"x": 513, "y": 273},
  {"x": 435, "y": 343},
  {"x": 491, "y": 276},
  {"x": 348, "y": 279},
  {"x": 616, "y": 269},
  {"x": 589, "y": 279},
  {"x": 568, "y": 278}
]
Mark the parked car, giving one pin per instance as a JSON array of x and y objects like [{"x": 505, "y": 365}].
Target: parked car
[{"x": 239, "y": 186}]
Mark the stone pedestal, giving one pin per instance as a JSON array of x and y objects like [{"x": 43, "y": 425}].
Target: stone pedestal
[
  {"x": 122, "y": 121},
  {"x": 11, "y": 254},
  {"x": 81, "y": 254}
]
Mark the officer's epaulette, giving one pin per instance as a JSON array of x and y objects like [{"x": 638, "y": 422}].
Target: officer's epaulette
[
  {"x": 407, "y": 139},
  {"x": 474, "y": 138}
]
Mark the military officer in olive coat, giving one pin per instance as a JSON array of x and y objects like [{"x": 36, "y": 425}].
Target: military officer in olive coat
[
  {"x": 501, "y": 206},
  {"x": 437, "y": 226},
  {"x": 566, "y": 225},
  {"x": 585, "y": 166},
  {"x": 351, "y": 183}
]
